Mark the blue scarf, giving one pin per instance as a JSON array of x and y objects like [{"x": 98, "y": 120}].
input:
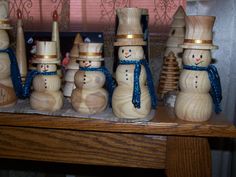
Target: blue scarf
[
  {"x": 110, "y": 84},
  {"x": 15, "y": 72},
  {"x": 214, "y": 78},
  {"x": 22, "y": 91},
  {"x": 136, "y": 89},
  {"x": 29, "y": 78}
]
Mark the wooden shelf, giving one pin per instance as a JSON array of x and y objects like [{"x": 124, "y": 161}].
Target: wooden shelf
[{"x": 164, "y": 123}]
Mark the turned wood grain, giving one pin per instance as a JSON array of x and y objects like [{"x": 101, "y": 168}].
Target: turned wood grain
[
  {"x": 188, "y": 156},
  {"x": 83, "y": 147},
  {"x": 164, "y": 123}
]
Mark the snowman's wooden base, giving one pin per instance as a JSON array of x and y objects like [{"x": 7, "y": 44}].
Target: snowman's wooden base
[
  {"x": 7, "y": 96},
  {"x": 193, "y": 107},
  {"x": 89, "y": 101},
  {"x": 123, "y": 107},
  {"x": 46, "y": 101}
]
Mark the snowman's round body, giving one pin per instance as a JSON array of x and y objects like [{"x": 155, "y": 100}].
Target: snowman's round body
[
  {"x": 7, "y": 94},
  {"x": 194, "y": 103},
  {"x": 46, "y": 95},
  {"x": 89, "y": 96},
  {"x": 122, "y": 96}
]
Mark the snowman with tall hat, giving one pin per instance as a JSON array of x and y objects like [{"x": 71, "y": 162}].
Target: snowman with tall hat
[
  {"x": 10, "y": 79},
  {"x": 198, "y": 77},
  {"x": 46, "y": 83},
  {"x": 89, "y": 96},
  {"x": 135, "y": 95}
]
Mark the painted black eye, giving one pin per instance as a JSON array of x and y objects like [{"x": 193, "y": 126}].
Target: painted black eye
[
  {"x": 193, "y": 56},
  {"x": 89, "y": 61},
  {"x": 130, "y": 50},
  {"x": 47, "y": 66},
  {"x": 200, "y": 56},
  {"x": 83, "y": 61},
  {"x": 122, "y": 50},
  {"x": 41, "y": 66}
]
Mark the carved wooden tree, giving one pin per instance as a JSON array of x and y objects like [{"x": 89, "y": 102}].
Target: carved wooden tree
[
  {"x": 169, "y": 77},
  {"x": 176, "y": 35}
]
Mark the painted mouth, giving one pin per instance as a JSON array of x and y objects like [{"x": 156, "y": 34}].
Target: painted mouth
[
  {"x": 199, "y": 63},
  {"x": 127, "y": 56},
  {"x": 88, "y": 65},
  {"x": 45, "y": 70}
]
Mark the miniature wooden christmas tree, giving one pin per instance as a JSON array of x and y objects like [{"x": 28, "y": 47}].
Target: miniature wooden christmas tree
[
  {"x": 72, "y": 67},
  {"x": 169, "y": 77},
  {"x": 176, "y": 35}
]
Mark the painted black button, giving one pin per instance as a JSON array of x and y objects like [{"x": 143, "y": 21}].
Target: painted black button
[
  {"x": 126, "y": 70},
  {"x": 85, "y": 75},
  {"x": 196, "y": 76},
  {"x": 84, "y": 82},
  {"x": 195, "y": 86},
  {"x": 127, "y": 79}
]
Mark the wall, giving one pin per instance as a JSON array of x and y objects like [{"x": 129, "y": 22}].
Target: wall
[{"x": 225, "y": 38}]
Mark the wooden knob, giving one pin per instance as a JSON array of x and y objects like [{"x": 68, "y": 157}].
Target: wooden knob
[
  {"x": 19, "y": 14},
  {"x": 55, "y": 15}
]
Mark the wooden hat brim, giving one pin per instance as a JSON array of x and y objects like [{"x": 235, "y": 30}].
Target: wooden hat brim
[
  {"x": 5, "y": 27},
  {"x": 51, "y": 61},
  {"x": 197, "y": 46},
  {"x": 130, "y": 43},
  {"x": 90, "y": 59}
]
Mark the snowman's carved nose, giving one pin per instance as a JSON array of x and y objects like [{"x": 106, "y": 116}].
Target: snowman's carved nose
[{"x": 198, "y": 59}]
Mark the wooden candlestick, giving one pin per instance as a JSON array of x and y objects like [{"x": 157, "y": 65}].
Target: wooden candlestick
[{"x": 20, "y": 47}]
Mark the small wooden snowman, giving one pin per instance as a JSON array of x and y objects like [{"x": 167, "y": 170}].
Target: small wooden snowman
[
  {"x": 72, "y": 68},
  {"x": 134, "y": 96},
  {"x": 46, "y": 95},
  {"x": 194, "y": 103},
  {"x": 7, "y": 94},
  {"x": 90, "y": 97}
]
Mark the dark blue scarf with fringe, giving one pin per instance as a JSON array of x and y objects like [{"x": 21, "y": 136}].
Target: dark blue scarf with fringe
[
  {"x": 214, "y": 78},
  {"x": 15, "y": 72},
  {"x": 136, "y": 90},
  {"x": 110, "y": 84}
]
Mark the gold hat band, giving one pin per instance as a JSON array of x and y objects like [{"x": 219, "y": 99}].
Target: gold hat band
[
  {"x": 129, "y": 36},
  {"x": 4, "y": 22},
  {"x": 90, "y": 53},
  {"x": 46, "y": 56},
  {"x": 198, "y": 41}
]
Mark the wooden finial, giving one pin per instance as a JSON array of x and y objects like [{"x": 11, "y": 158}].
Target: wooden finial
[
  {"x": 55, "y": 15},
  {"x": 19, "y": 14}
]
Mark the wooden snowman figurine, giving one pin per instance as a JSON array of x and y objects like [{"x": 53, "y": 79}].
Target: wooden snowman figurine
[
  {"x": 46, "y": 95},
  {"x": 7, "y": 60},
  {"x": 134, "y": 96},
  {"x": 194, "y": 103},
  {"x": 90, "y": 97},
  {"x": 72, "y": 68}
]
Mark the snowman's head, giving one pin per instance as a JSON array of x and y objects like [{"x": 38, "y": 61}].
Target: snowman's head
[
  {"x": 131, "y": 53},
  {"x": 4, "y": 42},
  {"x": 89, "y": 64},
  {"x": 44, "y": 67},
  {"x": 196, "y": 57}
]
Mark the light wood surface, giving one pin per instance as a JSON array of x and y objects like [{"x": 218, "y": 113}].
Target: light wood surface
[{"x": 164, "y": 122}]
